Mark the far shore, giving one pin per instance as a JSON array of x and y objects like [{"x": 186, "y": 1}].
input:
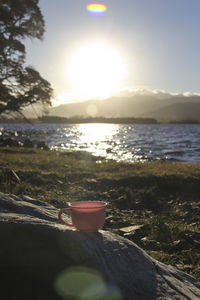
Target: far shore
[{"x": 88, "y": 120}]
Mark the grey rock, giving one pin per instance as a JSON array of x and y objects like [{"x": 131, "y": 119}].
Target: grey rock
[{"x": 36, "y": 248}]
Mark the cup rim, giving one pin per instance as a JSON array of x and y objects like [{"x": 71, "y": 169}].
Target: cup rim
[{"x": 76, "y": 204}]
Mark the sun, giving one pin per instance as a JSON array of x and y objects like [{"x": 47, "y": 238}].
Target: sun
[{"x": 96, "y": 70}]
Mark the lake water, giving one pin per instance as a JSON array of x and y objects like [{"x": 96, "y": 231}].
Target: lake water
[{"x": 133, "y": 143}]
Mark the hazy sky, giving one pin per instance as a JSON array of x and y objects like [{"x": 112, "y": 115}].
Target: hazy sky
[{"x": 153, "y": 44}]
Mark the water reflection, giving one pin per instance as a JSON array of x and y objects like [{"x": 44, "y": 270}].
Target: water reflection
[{"x": 97, "y": 138}]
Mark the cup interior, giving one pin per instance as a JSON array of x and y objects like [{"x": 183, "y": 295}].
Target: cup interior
[{"x": 88, "y": 204}]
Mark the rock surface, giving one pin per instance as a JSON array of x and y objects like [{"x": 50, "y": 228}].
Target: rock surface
[{"x": 35, "y": 248}]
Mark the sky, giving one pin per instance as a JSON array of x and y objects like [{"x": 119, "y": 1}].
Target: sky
[{"x": 134, "y": 44}]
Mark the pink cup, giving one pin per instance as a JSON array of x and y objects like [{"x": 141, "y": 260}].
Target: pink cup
[{"x": 87, "y": 216}]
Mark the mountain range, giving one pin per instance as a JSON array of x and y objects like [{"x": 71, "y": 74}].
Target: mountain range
[{"x": 161, "y": 106}]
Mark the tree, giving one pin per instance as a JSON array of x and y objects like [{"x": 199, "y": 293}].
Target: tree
[{"x": 20, "y": 86}]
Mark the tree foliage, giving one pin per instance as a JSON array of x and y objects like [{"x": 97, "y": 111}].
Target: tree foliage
[{"x": 20, "y": 86}]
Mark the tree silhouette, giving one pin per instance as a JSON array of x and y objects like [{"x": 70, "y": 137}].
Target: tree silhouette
[{"x": 20, "y": 86}]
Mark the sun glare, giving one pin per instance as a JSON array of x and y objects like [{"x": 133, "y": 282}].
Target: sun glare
[{"x": 96, "y": 71}]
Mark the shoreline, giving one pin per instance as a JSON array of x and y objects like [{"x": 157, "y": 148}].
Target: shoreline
[
  {"x": 99, "y": 120},
  {"x": 25, "y": 142}
]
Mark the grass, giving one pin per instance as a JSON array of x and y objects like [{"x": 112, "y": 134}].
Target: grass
[{"x": 163, "y": 197}]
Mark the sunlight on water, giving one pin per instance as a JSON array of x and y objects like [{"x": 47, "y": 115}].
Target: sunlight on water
[
  {"x": 122, "y": 142},
  {"x": 94, "y": 134}
]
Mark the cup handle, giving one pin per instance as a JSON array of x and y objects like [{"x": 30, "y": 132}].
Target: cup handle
[{"x": 61, "y": 219}]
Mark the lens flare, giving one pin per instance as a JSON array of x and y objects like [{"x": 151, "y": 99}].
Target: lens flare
[
  {"x": 96, "y": 9},
  {"x": 85, "y": 284}
]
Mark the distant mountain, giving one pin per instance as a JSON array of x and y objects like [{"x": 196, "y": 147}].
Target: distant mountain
[
  {"x": 166, "y": 108},
  {"x": 177, "y": 112},
  {"x": 112, "y": 107}
]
